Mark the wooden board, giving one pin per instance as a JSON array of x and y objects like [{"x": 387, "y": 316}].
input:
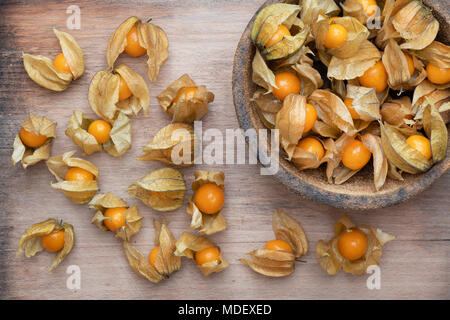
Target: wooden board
[{"x": 203, "y": 36}]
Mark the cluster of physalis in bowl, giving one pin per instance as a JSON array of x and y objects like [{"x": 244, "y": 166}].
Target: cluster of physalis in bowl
[
  {"x": 387, "y": 98},
  {"x": 117, "y": 93}
]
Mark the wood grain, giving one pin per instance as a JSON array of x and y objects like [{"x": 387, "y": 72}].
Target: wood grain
[{"x": 203, "y": 36}]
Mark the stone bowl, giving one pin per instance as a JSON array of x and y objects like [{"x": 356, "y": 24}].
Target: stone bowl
[{"x": 359, "y": 191}]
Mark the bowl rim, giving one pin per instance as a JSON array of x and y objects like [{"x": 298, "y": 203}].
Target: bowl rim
[{"x": 286, "y": 175}]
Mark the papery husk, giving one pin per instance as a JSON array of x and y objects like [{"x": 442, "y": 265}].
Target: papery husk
[
  {"x": 133, "y": 220},
  {"x": 333, "y": 158},
  {"x": 397, "y": 69},
  {"x": 184, "y": 110},
  {"x": 77, "y": 130},
  {"x": 29, "y": 156},
  {"x": 416, "y": 25},
  {"x": 310, "y": 78},
  {"x": 311, "y": 9},
  {"x": 325, "y": 130},
  {"x": 427, "y": 92},
  {"x": 291, "y": 118},
  {"x": 206, "y": 223},
  {"x": 332, "y": 110},
  {"x": 188, "y": 244},
  {"x": 380, "y": 163},
  {"x": 271, "y": 263},
  {"x": 330, "y": 259},
  {"x": 104, "y": 93},
  {"x": 76, "y": 191},
  {"x": 261, "y": 73},
  {"x": 42, "y": 69},
  {"x": 303, "y": 159},
  {"x": 120, "y": 134},
  {"x": 165, "y": 263},
  {"x": 151, "y": 37},
  {"x": 437, "y": 53},
  {"x": 436, "y": 130},
  {"x": 365, "y": 102},
  {"x": 139, "y": 263},
  {"x": 30, "y": 242},
  {"x": 162, "y": 189},
  {"x": 357, "y": 34},
  {"x": 355, "y": 66},
  {"x": 72, "y": 53},
  {"x": 267, "y": 107},
  {"x": 394, "y": 172},
  {"x": 399, "y": 114},
  {"x": 267, "y": 23},
  {"x": 277, "y": 263},
  {"x": 354, "y": 8},
  {"x": 401, "y": 154},
  {"x": 176, "y": 140}
]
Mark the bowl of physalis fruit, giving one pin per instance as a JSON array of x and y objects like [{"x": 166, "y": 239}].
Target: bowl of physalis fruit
[{"x": 354, "y": 96}]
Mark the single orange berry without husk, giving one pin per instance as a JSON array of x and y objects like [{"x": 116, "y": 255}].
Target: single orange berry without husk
[
  {"x": 349, "y": 104},
  {"x": 116, "y": 218},
  {"x": 352, "y": 244},
  {"x": 311, "y": 117},
  {"x": 438, "y": 75},
  {"x": 78, "y": 174},
  {"x": 369, "y": 7},
  {"x": 207, "y": 255},
  {"x": 189, "y": 93},
  {"x": 152, "y": 256},
  {"x": 421, "y": 144},
  {"x": 278, "y": 245},
  {"x": 100, "y": 129},
  {"x": 278, "y": 35},
  {"x": 61, "y": 64},
  {"x": 133, "y": 48},
  {"x": 375, "y": 77},
  {"x": 287, "y": 83},
  {"x": 124, "y": 91},
  {"x": 209, "y": 198},
  {"x": 54, "y": 241},
  {"x": 355, "y": 155},
  {"x": 31, "y": 139},
  {"x": 313, "y": 146},
  {"x": 336, "y": 36}
]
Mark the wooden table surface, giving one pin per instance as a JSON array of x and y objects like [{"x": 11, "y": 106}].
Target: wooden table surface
[{"x": 203, "y": 36}]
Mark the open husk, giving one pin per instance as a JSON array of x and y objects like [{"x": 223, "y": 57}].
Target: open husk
[
  {"x": 166, "y": 261},
  {"x": 174, "y": 144},
  {"x": 120, "y": 134},
  {"x": 151, "y": 37},
  {"x": 133, "y": 220},
  {"x": 29, "y": 156},
  {"x": 399, "y": 114},
  {"x": 267, "y": 23},
  {"x": 267, "y": 107},
  {"x": 76, "y": 191},
  {"x": 399, "y": 77},
  {"x": 290, "y": 119},
  {"x": 365, "y": 102},
  {"x": 206, "y": 223},
  {"x": 332, "y": 110},
  {"x": 357, "y": 34},
  {"x": 437, "y": 53},
  {"x": 30, "y": 242},
  {"x": 184, "y": 110},
  {"x": 401, "y": 154},
  {"x": 426, "y": 93},
  {"x": 435, "y": 128},
  {"x": 380, "y": 163},
  {"x": 278, "y": 263},
  {"x": 331, "y": 260},
  {"x": 187, "y": 246},
  {"x": 162, "y": 189},
  {"x": 104, "y": 93},
  {"x": 311, "y": 9},
  {"x": 355, "y": 66},
  {"x": 42, "y": 70}
]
